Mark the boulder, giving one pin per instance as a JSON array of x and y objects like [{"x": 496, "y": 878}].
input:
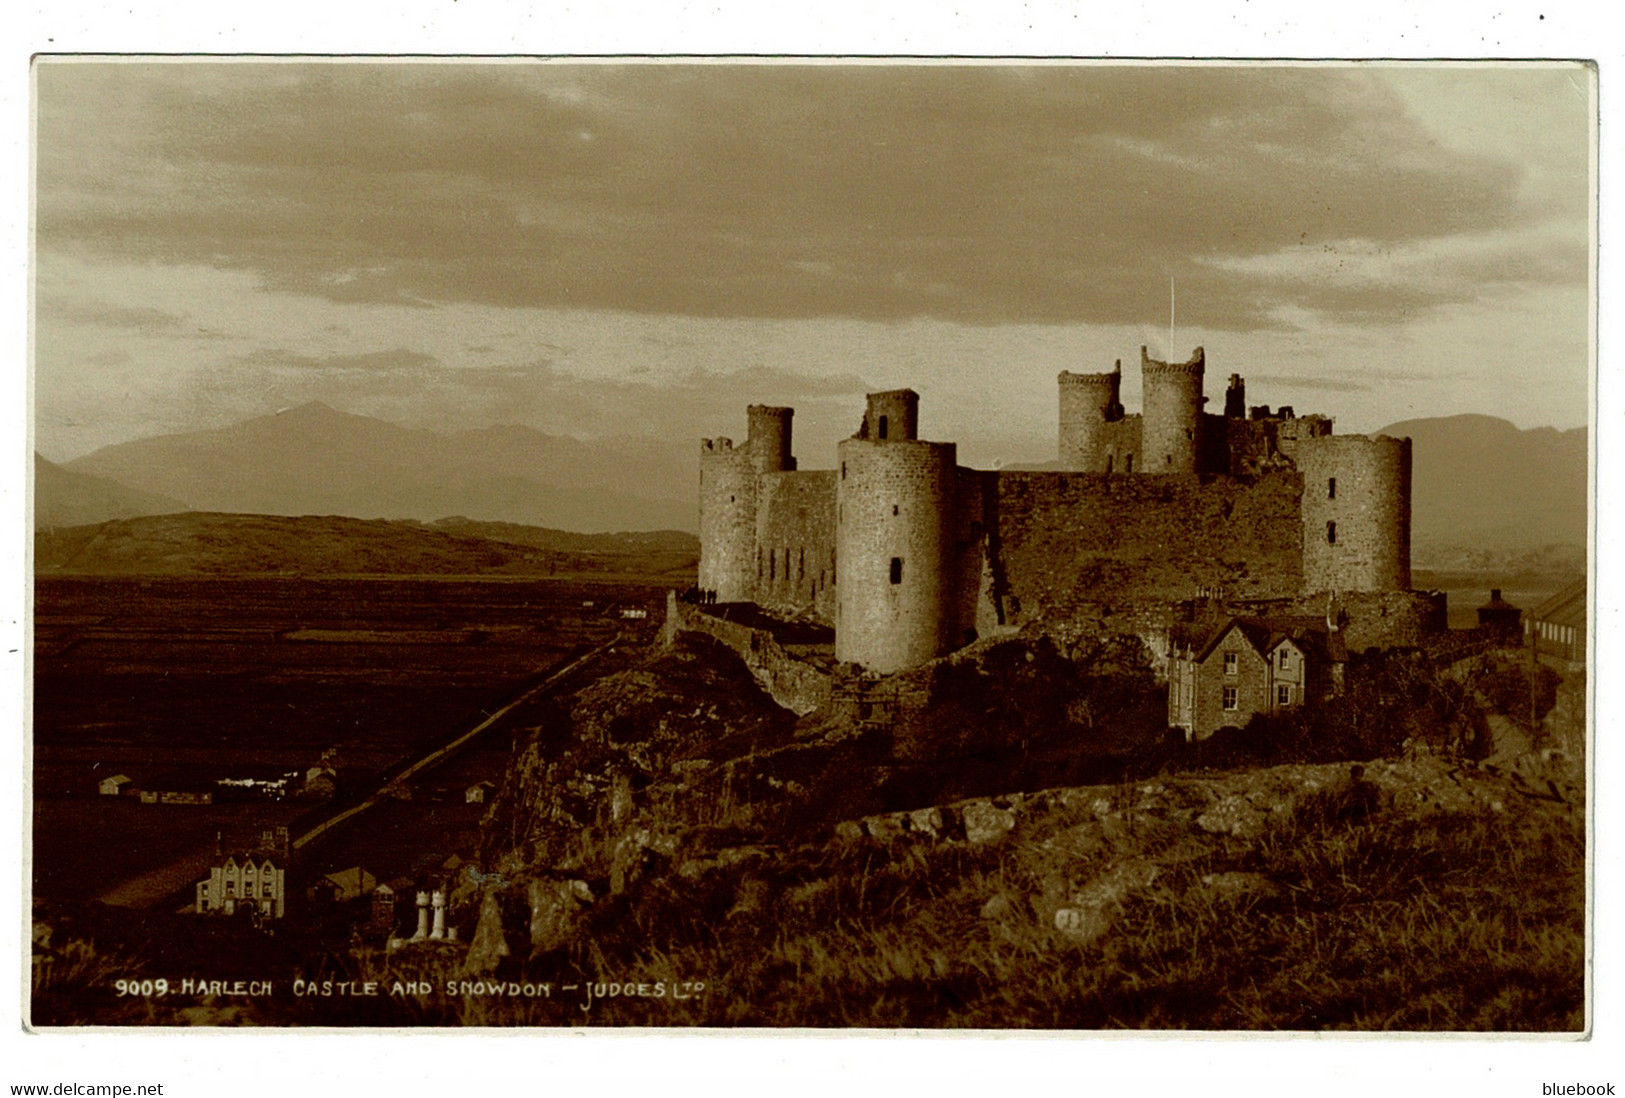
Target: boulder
[
  {"x": 1232, "y": 816},
  {"x": 984, "y": 822},
  {"x": 926, "y": 821},
  {"x": 998, "y": 906}
]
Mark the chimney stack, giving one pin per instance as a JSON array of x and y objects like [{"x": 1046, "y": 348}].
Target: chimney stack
[
  {"x": 423, "y": 917},
  {"x": 439, "y": 930}
]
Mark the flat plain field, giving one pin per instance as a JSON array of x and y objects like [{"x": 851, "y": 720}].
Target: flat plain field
[{"x": 181, "y": 681}]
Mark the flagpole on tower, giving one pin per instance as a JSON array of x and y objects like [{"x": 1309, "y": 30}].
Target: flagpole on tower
[{"x": 1170, "y": 318}]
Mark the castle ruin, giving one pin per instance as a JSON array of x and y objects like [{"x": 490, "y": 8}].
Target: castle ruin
[{"x": 909, "y": 555}]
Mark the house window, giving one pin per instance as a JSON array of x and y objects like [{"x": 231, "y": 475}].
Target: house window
[
  {"x": 1331, "y": 487},
  {"x": 897, "y": 569},
  {"x": 882, "y": 426},
  {"x": 1108, "y": 463},
  {"x": 1283, "y": 695},
  {"x": 1282, "y": 658},
  {"x": 1331, "y": 533},
  {"x": 1230, "y": 698},
  {"x": 1229, "y": 663},
  {"x": 1128, "y": 463}
]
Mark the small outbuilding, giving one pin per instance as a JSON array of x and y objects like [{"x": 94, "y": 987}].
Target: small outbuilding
[
  {"x": 1500, "y": 615},
  {"x": 343, "y": 885},
  {"x": 114, "y": 786}
]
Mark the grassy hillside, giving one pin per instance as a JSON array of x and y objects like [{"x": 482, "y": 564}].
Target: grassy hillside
[{"x": 668, "y": 828}]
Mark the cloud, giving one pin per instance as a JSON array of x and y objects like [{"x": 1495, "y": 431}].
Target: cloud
[
  {"x": 100, "y": 314},
  {"x": 1326, "y": 384},
  {"x": 696, "y": 404},
  {"x": 983, "y": 193},
  {"x": 396, "y": 361}
]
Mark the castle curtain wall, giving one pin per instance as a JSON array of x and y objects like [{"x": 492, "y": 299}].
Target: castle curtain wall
[
  {"x": 1071, "y": 540},
  {"x": 795, "y": 537}
]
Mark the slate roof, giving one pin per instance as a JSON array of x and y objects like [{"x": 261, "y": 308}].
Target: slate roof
[
  {"x": 1566, "y": 607},
  {"x": 1263, "y": 634}
]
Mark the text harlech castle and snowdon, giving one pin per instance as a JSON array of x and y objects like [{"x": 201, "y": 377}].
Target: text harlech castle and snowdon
[{"x": 1149, "y": 519}]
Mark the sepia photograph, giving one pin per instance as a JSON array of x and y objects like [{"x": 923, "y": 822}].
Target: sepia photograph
[{"x": 811, "y": 544}]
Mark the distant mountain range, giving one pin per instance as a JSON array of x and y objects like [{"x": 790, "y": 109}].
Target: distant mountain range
[
  {"x": 1482, "y": 488},
  {"x": 313, "y": 460},
  {"x": 66, "y": 498}
]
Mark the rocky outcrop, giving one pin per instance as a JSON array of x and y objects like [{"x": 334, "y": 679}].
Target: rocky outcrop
[{"x": 1094, "y": 849}]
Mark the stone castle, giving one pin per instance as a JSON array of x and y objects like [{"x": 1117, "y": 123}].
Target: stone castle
[{"x": 909, "y": 555}]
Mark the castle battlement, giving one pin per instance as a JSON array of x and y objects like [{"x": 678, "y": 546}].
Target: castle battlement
[
  {"x": 1110, "y": 379},
  {"x": 1196, "y": 364}
]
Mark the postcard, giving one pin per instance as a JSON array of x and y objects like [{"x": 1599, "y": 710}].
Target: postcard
[{"x": 812, "y": 545}]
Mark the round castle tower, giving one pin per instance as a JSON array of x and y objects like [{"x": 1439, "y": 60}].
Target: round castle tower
[
  {"x": 1171, "y": 413},
  {"x": 894, "y": 498},
  {"x": 892, "y": 416},
  {"x": 728, "y": 498},
  {"x": 769, "y": 438},
  {"x": 1088, "y": 403},
  {"x": 1356, "y": 509}
]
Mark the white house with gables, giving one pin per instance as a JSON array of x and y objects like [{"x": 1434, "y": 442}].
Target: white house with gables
[
  {"x": 1222, "y": 675},
  {"x": 250, "y": 882}
]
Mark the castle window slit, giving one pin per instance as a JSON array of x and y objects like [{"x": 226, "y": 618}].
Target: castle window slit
[
  {"x": 897, "y": 569},
  {"x": 1331, "y": 533}
]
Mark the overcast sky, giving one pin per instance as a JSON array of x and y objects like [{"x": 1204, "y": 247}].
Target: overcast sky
[{"x": 644, "y": 249}]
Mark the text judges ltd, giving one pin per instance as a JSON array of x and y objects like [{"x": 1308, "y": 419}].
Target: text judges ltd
[{"x": 605, "y": 989}]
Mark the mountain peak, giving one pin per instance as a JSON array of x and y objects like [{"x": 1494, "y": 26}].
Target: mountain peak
[{"x": 309, "y": 409}]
